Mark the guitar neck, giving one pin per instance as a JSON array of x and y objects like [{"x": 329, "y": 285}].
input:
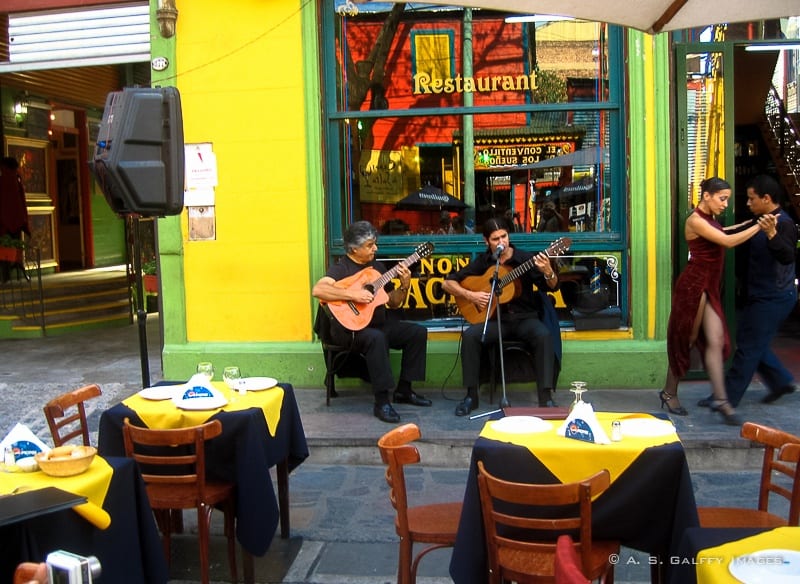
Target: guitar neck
[{"x": 522, "y": 268}]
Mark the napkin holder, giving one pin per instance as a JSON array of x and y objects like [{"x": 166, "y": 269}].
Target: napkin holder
[
  {"x": 198, "y": 387},
  {"x": 22, "y": 443},
  {"x": 582, "y": 424}
]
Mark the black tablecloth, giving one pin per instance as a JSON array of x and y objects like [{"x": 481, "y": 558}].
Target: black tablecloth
[
  {"x": 129, "y": 550},
  {"x": 647, "y": 508},
  {"x": 697, "y": 539},
  {"x": 243, "y": 453}
]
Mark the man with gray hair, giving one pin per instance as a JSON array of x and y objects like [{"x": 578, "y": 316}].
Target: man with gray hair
[{"x": 342, "y": 283}]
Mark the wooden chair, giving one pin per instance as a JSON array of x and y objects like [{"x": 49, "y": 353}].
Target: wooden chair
[
  {"x": 65, "y": 422},
  {"x": 772, "y": 440},
  {"x": 530, "y": 557},
  {"x": 791, "y": 453},
  {"x": 434, "y": 524},
  {"x": 340, "y": 360},
  {"x": 567, "y": 564},
  {"x": 173, "y": 467}
]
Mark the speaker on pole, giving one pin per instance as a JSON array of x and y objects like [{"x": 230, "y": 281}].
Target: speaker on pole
[{"x": 138, "y": 160}]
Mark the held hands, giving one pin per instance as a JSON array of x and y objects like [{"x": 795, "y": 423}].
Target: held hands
[{"x": 768, "y": 224}]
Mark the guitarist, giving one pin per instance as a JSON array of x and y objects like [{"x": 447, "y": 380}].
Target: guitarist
[
  {"x": 385, "y": 330},
  {"x": 530, "y": 317}
]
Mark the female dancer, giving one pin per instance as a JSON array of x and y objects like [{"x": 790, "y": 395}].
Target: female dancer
[{"x": 697, "y": 318}]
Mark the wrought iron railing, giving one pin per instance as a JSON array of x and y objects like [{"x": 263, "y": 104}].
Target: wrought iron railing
[
  {"x": 787, "y": 137},
  {"x": 21, "y": 291}
]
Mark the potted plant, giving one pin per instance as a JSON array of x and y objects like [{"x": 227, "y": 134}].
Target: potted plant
[
  {"x": 11, "y": 249},
  {"x": 149, "y": 278}
]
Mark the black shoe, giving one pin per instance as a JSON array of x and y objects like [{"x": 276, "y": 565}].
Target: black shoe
[
  {"x": 545, "y": 398},
  {"x": 411, "y": 398},
  {"x": 731, "y": 418},
  {"x": 705, "y": 402},
  {"x": 678, "y": 410},
  {"x": 466, "y": 405},
  {"x": 386, "y": 413},
  {"x": 773, "y": 396}
]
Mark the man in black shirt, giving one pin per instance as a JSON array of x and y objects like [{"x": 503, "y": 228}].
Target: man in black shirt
[
  {"x": 528, "y": 317},
  {"x": 771, "y": 297},
  {"x": 384, "y": 330}
]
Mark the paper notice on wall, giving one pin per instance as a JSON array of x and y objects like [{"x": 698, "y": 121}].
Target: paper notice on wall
[
  {"x": 202, "y": 224},
  {"x": 201, "y": 175}
]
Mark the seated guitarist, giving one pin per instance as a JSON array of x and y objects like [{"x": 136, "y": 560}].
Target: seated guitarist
[
  {"x": 529, "y": 317},
  {"x": 384, "y": 331}
]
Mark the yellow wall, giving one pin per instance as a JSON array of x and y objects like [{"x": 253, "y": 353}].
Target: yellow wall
[{"x": 240, "y": 77}]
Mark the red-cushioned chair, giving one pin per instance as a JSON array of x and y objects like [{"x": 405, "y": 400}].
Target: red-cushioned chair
[{"x": 567, "y": 564}]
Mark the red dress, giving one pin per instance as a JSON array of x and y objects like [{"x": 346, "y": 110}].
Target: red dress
[{"x": 702, "y": 274}]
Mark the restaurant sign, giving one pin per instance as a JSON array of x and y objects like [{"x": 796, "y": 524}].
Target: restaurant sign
[{"x": 515, "y": 154}]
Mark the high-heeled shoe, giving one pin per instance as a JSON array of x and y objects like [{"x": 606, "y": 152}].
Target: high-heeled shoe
[
  {"x": 665, "y": 397},
  {"x": 731, "y": 419}
]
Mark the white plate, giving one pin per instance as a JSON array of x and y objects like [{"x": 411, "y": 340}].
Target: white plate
[
  {"x": 646, "y": 427},
  {"x": 258, "y": 383},
  {"x": 774, "y": 566},
  {"x": 209, "y": 399},
  {"x": 160, "y": 392},
  {"x": 521, "y": 425}
]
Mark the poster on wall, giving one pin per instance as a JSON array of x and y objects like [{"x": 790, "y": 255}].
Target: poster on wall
[{"x": 32, "y": 158}]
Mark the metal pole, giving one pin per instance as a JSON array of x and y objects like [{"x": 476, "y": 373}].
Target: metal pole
[{"x": 141, "y": 313}]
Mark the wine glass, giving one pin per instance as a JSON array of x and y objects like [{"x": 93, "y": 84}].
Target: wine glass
[
  {"x": 578, "y": 387},
  {"x": 206, "y": 368},
  {"x": 231, "y": 376}
]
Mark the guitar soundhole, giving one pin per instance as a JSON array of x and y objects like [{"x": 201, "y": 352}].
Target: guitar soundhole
[{"x": 370, "y": 288}]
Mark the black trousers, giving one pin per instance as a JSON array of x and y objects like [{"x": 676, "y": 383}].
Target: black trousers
[{"x": 374, "y": 343}]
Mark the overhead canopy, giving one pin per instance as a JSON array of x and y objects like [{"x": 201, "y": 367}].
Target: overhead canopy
[{"x": 647, "y": 15}]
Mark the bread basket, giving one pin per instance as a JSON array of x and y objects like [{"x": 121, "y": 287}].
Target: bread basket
[{"x": 66, "y": 461}]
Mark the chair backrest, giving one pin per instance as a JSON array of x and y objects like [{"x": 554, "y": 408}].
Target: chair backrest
[
  {"x": 791, "y": 453},
  {"x": 172, "y": 456},
  {"x": 541, "y": 513},
  {"x": 396, "y": 452},
  {"x": 65, "y": 422},
  {"x": 773, "y": 439},
  {"x": 567, "y": 567}
]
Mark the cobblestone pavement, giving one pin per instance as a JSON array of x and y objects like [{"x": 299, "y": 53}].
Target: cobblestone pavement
[{"x": 342, "y": 521}]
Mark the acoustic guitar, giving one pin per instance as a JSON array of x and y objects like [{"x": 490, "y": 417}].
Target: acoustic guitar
[
  {"x": 508, "y": 286},
  {"x": 355, "y": 316}
]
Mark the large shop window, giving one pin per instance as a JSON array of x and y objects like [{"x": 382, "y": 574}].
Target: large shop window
[{"x": 441, "y": 118}]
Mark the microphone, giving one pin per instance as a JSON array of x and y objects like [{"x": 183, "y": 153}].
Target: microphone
[{"x": 498, "y": 250}]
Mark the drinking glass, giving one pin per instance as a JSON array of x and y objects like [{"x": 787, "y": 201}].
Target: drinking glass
[
  {"x": 207, "y": 369},
  {"x": 578, "y": 387},
  {"x": 231, "y": 377}
]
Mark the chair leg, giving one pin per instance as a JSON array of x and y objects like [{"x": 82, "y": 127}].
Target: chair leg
[
  {"x": 203, "y": 522},
  {"x": 230, "y": 531},
  {"x": 283, "y": 496},
  {"x": 404, "y": 562}
]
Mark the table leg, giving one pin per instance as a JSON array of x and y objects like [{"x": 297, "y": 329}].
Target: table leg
[
  {"x": 283, "y": 496},
  {"x": 247, "y": 567}
]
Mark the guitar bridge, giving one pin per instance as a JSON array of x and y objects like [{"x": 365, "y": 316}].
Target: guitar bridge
[{"x": 354, "y": 308}]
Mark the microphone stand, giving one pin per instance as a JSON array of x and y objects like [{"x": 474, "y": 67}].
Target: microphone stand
[{"x": 493, "y": 295}]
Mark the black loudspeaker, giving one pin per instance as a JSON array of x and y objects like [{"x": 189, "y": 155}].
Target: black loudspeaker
[{"x": 139, "y": 159}]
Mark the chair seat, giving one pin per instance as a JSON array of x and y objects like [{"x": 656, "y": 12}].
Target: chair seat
[
  {"x": 184, "y": 496},
  {"x": 737, "y": 517},
  {"x": 436, "y": 523},
  {"x": 519, "y": 565}
]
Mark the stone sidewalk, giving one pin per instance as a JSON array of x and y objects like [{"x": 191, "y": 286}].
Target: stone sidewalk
[{"x": 342, "y": 521}]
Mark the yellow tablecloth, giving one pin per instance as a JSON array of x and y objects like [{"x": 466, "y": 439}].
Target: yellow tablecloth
[
  {"x": 572, "y": 460},
  {"x": 92, "y": 484},
  {"x": 165, "y": 414},
  {"x": 713, "y": 563}
]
